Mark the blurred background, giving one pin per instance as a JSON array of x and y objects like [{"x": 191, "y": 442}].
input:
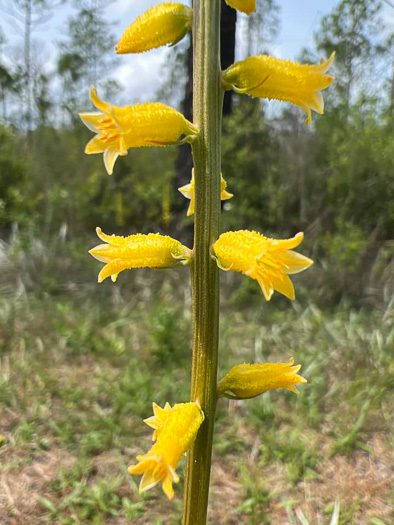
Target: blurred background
[{"x": 81, "y": 363}]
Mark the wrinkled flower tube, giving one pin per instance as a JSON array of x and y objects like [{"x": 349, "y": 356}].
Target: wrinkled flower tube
[
  {"x": 121, "y": 128},
  {"x": 250, "y": 380},
  {"x": 269, "y": 261},
  {"x": 273, "y": 78},
  {"x": 138, "y": 251}
]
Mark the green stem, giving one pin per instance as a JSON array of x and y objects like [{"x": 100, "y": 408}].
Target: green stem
[{"x": 207, "y": 110}]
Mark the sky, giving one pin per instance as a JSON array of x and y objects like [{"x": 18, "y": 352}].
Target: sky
[{"x": 141, "y": 73}]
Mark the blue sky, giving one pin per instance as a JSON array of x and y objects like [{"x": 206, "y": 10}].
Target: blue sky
[{"x": 299, "y": 20}]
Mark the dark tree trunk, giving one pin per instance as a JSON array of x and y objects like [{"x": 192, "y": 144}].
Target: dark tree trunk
[
  {"x": 184, "y": 161},
  {"x": 227, "y": 47}
]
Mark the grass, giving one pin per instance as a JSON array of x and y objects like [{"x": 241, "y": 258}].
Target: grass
[{"x": 82, "y": 363}]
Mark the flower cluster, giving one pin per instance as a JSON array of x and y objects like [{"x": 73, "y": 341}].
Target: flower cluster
[{"x": 268, "y": 261}]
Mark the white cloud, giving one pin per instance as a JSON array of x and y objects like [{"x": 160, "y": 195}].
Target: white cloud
[{"x": 140, "y": 75}]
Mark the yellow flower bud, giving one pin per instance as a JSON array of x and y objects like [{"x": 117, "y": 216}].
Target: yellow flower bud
[
  {"x": 163, "y": 24},
  {"x": 177, "y": 429},
  {"x": 188, "y": 192},
  {"x": 246, "y": 381},
  {"x": 273, "y": 78},
  {"x": 269, "y": 261},
  {"x": 246, "y": 6},
  {"x": 121, "y": 128},
  {"x": 138, "y": 251}
]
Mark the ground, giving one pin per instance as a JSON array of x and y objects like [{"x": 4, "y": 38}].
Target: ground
[{"x": 80, "y": 369}]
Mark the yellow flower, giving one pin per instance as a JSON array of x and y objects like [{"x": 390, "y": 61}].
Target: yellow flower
[
  {"x": 246, "y": 6},
  {"x": 269, "y": 261},
  {"x": 121, "y": 128},
  {"x": 138, "y": 251},
  {"x": 177, "y": 429},
  {"x": 273, "y": 78},
  {"x": 246, "y": 381},
  {"x": 188, "y": 192},
  {"x": 163, "y": 24}
]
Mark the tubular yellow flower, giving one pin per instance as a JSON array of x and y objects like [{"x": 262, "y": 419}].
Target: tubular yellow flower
[
  {"x": 163, "y": 24},
  {"x": 273, "y": 78},
  {"x": 246, "y": 6},
  {"x": 246, "y": 381},
  {"x": 269, "y": 261},
  {"x": 121, "y": 128},
  {"x": 138, "y": 251},
  {"x": 176, "y": 430},
  {"x": 188, "y": 192}
]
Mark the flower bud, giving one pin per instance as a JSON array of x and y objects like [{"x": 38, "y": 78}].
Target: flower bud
[{"x": 163, "y": 24}]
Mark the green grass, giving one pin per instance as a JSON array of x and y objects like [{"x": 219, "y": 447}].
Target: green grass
[{"x": 82, "y": 363}]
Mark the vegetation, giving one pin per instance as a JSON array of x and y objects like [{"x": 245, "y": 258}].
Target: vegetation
[{"x": 77, "y": 358}]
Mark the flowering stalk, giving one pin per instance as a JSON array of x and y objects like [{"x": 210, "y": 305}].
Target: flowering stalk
[{"x": 207, "y": 110}]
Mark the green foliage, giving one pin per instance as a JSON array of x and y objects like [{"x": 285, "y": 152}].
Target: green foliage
[
  {"x": 248, "y": 166},
  {"x": 352, "y": 30},
  {"x": 170, "y": 335},
  {"x": 298, "y": 518},
  {"x": 13, "y": 174},
  {"x": 256, "y": 496},
  {"x": 85, "y": 394}
]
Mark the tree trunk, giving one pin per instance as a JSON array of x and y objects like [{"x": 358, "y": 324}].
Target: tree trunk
[{"x": 184, "y": 162}]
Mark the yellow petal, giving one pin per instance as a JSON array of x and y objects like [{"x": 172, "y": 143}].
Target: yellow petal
[
  {"x": 115, "y": 240},
  {"x": 167, "y": 487},
  {"x": 110, "y": 156},
  {"x": 92, "y": 120},
  {"x": 100, "y": 104},
  {"x": 95, "y": 145},
  {"x": 283, "y": 285}
]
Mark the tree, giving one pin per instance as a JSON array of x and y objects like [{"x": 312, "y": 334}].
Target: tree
[
  {"x": 26, "y": 16},
  {"x": 352, "y": 29},
  {"x": 84, "y": 56},
  {"x": 262, "y": 27}
]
